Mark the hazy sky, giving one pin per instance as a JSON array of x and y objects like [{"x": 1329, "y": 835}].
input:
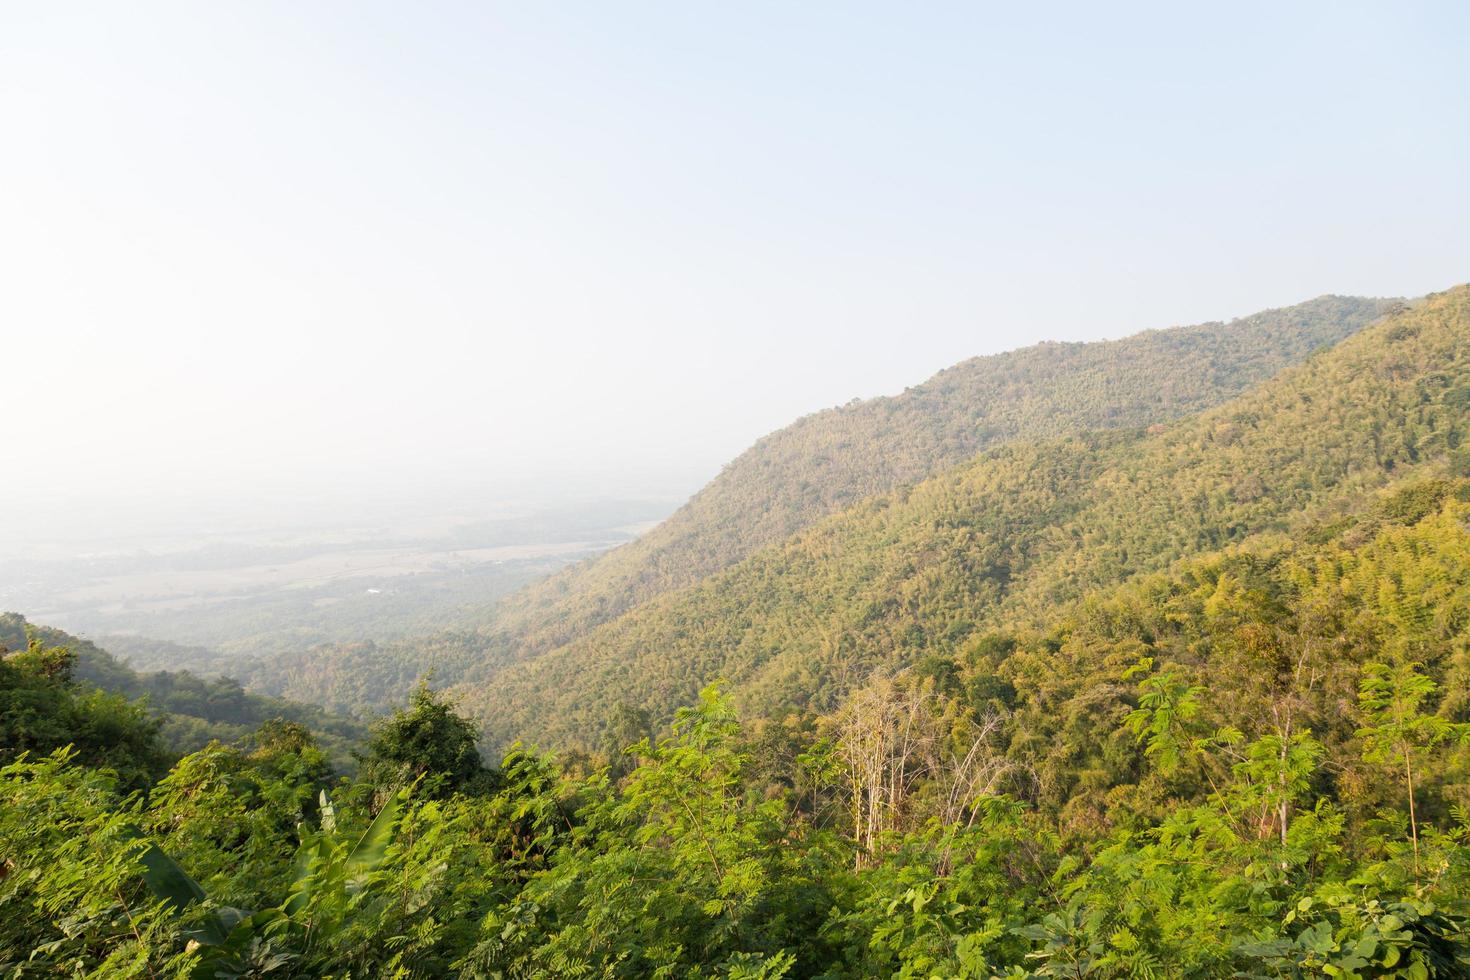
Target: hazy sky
[{"x": 258, "y": 250}]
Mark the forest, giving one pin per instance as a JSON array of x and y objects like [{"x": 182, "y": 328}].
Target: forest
[
  {"x": 746, "y": 491},
  {"x": 1252, "y": 765},
  {"x": 1185, "y": 697}
]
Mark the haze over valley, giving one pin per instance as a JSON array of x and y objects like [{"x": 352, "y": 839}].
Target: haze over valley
[{"x": 238, "y": 595}]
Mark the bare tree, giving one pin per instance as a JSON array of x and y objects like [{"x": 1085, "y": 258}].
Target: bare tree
[{"x": 896, "y": 735}]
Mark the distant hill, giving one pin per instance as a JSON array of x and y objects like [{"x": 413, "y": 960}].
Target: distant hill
[
  {"x": 1016, "y": 531},
  {"x": 191, "y": 710}
]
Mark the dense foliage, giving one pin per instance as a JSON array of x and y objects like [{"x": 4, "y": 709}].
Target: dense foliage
[
  {"x": 1255, "y": 765},
  {"x": 42, "y": 709},
  {"x": 829, "y": 461}
]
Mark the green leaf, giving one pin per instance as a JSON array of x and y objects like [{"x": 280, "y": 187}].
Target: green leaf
[
  {"x": 166, "y": 880},
  {"x": 171, "y": 885},
  {"x": 373, "y": 845},
  {"x": 328, "y": 811},
  {"x": 308, "y": 858}
]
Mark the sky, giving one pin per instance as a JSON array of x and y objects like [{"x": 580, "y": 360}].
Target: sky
[{"x": 264, "y": 254}]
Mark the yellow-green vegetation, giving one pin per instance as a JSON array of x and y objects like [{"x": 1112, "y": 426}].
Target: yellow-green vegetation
[
  {"x": 832, "y": 460},
  {"x": 1003, "y": 539}
]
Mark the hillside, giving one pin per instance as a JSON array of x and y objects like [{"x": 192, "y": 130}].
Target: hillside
[
  {"x": 191, "y": 711},
  {"x": 1008, "y": 536},
  {"x": 829, "y": 461}
]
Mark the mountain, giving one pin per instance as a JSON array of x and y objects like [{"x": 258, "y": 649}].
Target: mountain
[
  {"x": 1011, "y": 534},
  {"x": 828, "y": 461},
  {"x": 831, "y": 460},
  {"x": 1251, "y": 766}
]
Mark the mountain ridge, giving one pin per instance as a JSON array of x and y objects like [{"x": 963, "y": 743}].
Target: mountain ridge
[
  {"x": 719, "y": 525},
  {"x": 1072, "y": 515},
  {"x": 833, "y": 459}
]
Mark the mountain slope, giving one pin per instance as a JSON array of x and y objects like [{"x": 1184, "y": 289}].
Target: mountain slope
[
  {"x": 832, "y": 459},
  {"x": 827, "y": 461},
  {"x": 1012, "y": 533}
]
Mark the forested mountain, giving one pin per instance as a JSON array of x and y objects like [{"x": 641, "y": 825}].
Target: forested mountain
[
  {"x": 189, "y": 711},
  {"x": 832, "y": 460},
  {"x": 829, "y": 461},
  {"x": 1004, "y": 538}
]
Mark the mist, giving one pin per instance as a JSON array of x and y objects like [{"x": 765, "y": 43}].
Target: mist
[{"x": 302, "y": 263}]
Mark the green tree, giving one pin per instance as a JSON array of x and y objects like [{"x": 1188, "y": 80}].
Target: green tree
[
  {"x": 427, "y": 741},
  {"x": 42, "y": 708},
  {"x": 1398, "y": 731}
]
